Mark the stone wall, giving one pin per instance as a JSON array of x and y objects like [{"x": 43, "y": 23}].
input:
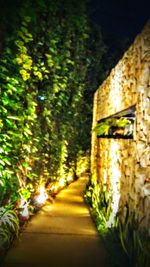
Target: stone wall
[{"x": 124, "y": 165}]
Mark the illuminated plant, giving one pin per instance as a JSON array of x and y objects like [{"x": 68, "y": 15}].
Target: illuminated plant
[
  {"x": 23, "y": 205},
  {"x": 9, "y": 226},
  {"x": 112, "y": 126},
  {"x": 100, "y": 200},
  {"x": 45, "y": 105},
  {"x": 128, "y": 244},
  {"x": 134, "y": 241}
]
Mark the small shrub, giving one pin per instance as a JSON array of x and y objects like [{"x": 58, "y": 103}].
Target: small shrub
[
  {"x": 9, "y": 226},
  {"x": 126, "y": 242},
  {"x": 134, "y": 241}
]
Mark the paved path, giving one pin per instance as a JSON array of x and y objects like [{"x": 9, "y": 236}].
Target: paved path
[{"x": 62, "y": 234}]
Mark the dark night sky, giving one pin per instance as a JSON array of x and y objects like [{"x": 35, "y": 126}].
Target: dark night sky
[{"x": 120, "y": 18}]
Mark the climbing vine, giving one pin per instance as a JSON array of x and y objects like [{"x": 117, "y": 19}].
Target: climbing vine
[{"x": 45, "y": 114}]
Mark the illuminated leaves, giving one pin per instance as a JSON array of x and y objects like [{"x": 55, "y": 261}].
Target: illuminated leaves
[
  {"x": 43, "y": 109},
  {"x": 9, "y": 226}
]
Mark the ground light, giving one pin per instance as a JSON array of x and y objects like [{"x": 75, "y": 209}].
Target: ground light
[
  {"x": 42, "y": 196},
  {"x": 23, "y": 209},
  {"x": 62, "y": 182},
  {"x": 69, "y": 178}
]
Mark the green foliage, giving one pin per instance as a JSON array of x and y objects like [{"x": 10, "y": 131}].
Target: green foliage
[
  {"x": 17, "y": 116},
  {"x": 122, "y": 122},
  {"x": 9, "y": 226},
  {"x": 45, "y": 108},
  {"x": 134, "y": 241},
  {"x": 25, "y": 193},
  {"x": 105, "y": 127},
  {"x": 128, "y": 244},
  {"x": 100, "y": 200}
]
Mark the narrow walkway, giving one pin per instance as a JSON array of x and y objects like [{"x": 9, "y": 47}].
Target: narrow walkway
[{"x": 62, "y": 234}]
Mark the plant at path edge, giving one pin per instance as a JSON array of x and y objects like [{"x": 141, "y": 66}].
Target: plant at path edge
[{"x": 9, "y": 226}]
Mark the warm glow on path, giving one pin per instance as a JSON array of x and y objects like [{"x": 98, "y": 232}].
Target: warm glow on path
[{"x": 62, "y": 234}]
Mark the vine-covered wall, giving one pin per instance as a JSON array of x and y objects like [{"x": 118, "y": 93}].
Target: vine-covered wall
[
  {"x": 122, "y": 166},
  {"x": 45, "y": 114},
  {"x": 48, "y": 54}
]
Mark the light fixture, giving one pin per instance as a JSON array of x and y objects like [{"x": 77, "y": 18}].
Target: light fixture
[{"x": 43, "y": 196}]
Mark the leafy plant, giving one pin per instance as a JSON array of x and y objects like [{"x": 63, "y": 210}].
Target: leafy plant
[
  {"x": 102, "y": 128},
  {"x": 128, "y": 244},
  {"x": 9, "y": 226},
  {"x": 121, "y": 122},
  {"x": 111, "y": 126},
  {"x": 100, "y": 200},
  {"x": 25, "y": 193},
  {"x": 135, "y": 247},
  {"x": 45, "y": 63}
]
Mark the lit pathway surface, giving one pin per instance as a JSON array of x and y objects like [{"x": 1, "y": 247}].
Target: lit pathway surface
[{"x": 62, "y": 234}]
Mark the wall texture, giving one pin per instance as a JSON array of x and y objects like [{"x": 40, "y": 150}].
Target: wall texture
[{"x": 123, "y": 165}]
